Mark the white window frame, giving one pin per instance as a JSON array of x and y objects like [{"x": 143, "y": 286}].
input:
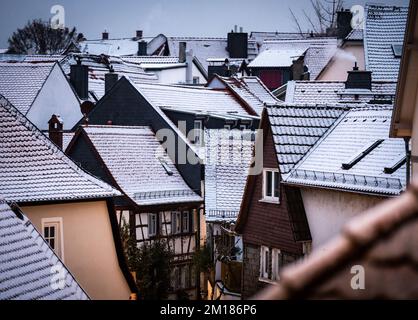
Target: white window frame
[
  {"x": 264, "y": 272},
  {"x": 243, "y": 127},
  {"x": 198, "y": 132},
  {"x": 227, "y": 127},
  {"x": 152, "y": 233},
  {"x": 271, "y": 198},
  {"x": 275, "y": 266},
  {"x": 185, "y": 216},
  {"x": 60, "y": 222}
]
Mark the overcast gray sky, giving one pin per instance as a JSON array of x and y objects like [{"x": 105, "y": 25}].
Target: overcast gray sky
[{"x": 171, "y": 17}]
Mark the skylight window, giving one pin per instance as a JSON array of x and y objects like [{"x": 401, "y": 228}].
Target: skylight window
[
  {"x": 395, "y": 165},
  {"x": 165, "y": 166},
  {"x": 360, "y": 155},
  {"x": 397, "y": 50}
]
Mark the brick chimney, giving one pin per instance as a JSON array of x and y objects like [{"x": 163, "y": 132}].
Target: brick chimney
[
  {"x": 55, "y": 130},
  {"x": 344, "y": 23},
  {"x": 237, "y": 45},
  {"x": 182, "y": 51},
  {"x": 359, "y": 79},
  {"x": 79, "y": 78},
  {"x": 105, "y": 35},
  {"x": 142, "y": 48},
  {"x": 110, "y": 79}
]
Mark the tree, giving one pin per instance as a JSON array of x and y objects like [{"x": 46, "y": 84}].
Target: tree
[
  {"x": 38, "y": 37},
  {"x": 325, "y": 16}
]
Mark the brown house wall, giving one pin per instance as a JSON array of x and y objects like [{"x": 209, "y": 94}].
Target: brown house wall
[{"x": 267, "y": 224}]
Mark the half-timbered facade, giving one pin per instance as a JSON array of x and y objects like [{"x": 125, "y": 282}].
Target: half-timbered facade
[{"x": 157, "y": 201}]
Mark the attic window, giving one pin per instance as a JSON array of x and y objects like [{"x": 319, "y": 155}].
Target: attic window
[
  {"x": 395, "y": 165},
  {"x": 397, "y": 50},
  {"x": 165, "y": 166},
  {"x": 360, "y": 155}
]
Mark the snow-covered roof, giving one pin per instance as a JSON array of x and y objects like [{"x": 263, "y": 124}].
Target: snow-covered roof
[
  {"x": 192, "y": 99},
  {"x": 296, "y": 129},
  {"x": 27, "y": 263},
  {"x": 318, "y": 51},
  {"x": 276, "y": 58},
  {"x": 20, "y": 83},
  {"x": 227, "y": 162},
  {"x": 33, "y": 169},
  {"x": 261, "y": 36},
  {"x": 31, "y": 57},
  {"x": 99, "y": 65},
  {"x": 335, "y": 92},
  {"x": 205, "y": 48},
  {"x": 384, "y": 27},
  {"x": 139, "y": 165},
  {"x": 355, "y": 35},
  {"x": 251, "y": 90},
  {"x": 122, "y": 46},
  {"x": 356, "y": 155}
]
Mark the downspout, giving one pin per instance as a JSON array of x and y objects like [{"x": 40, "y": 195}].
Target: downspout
[
  {"x": 198, "y": 295},
  {"x": 408, "y": 160}
]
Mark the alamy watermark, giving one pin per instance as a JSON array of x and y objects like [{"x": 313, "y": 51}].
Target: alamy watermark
[
  {"x": 358, "y": 281},
  {"x": 58, "y": 19},
  {"x": 357, "y": 22}
]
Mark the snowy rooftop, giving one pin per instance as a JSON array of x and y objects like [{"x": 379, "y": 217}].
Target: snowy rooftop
[
  {"x": 26, "y": 261},
  {"x": 188, "y": 99},
  {"x": 318, "y": 51},
  {"x": 335, "y": 92},
  {"x": 276, "y": 58},
  {"x": 355, "y": 35},
  {"x": 227, "y": 162},
  {"x": 139, "y": 165},
  {"x": 296, "y": 129},
  {"x": 384, "y": 28},
  {"x": 20, "y": 82},
  {"x": 356, "y": 155},
  {"x": 32, "y": 168}
]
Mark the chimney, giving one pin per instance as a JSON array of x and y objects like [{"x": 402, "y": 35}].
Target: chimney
[
  {"x": 110, "y": 79},
  {"x": 138, "y": 34},
  {"x": 189, "y": 68},
  {"x": 55, "y": 130},
  {"x": 237, "y": 45},
  {"x": 297, "y": 69},
  {"x": 142, "y": 48},
  {"x": 344, "y": 18},
  {"x": 359, "y": 79},
  {"x": 182, "y": 51},
  {"x": 79, "y": 78},
  {"x": 105, "y": 35}
]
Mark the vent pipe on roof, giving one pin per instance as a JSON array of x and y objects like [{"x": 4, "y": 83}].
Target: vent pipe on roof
[
  {"x": 182, "y": 51},
  {"x": 105, "y": 35},
  {"x": 79, "y": 78},
  {"x": 139, "y": 34},
  {"x": 55, "y": 130},
  {"x": 110, "y": 79}
]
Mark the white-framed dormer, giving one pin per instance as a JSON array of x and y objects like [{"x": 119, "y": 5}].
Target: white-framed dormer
[
  {"x": 271, "y": 186},
  {"x": 264, "y": 263},
  {"x": 53, "y": 233}
]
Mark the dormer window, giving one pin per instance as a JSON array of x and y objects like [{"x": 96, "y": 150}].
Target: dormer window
[
  {"x": 397, "y": 50},
  {"x": 271, "y": 191}
]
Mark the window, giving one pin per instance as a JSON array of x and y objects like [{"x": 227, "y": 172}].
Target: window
[
  {"x": 227, "y": 127},
  {"x": 271, "y": 185},
  {"x": 276, "y": 263},
  {"x": 53, "y": 234},
  {"x": 264, "y": 263},
  {"x": 176, "y": 222},
  {"x": 198, "y": 132},
  {"x": 196, "y": 80},
  {"x": 152, "y": 224},
  {"x": 243, "y": 127},
  {"x": 186, "y": 222},
  {"x": 397, "y": 50}
]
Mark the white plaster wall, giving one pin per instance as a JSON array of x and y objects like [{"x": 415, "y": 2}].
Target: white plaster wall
[
  {"x": 55, "y": 97},
  {"x": 340, "y": 64},
  {"x": 178, "y": 75},
  {"x": 327, "y": 211}
]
